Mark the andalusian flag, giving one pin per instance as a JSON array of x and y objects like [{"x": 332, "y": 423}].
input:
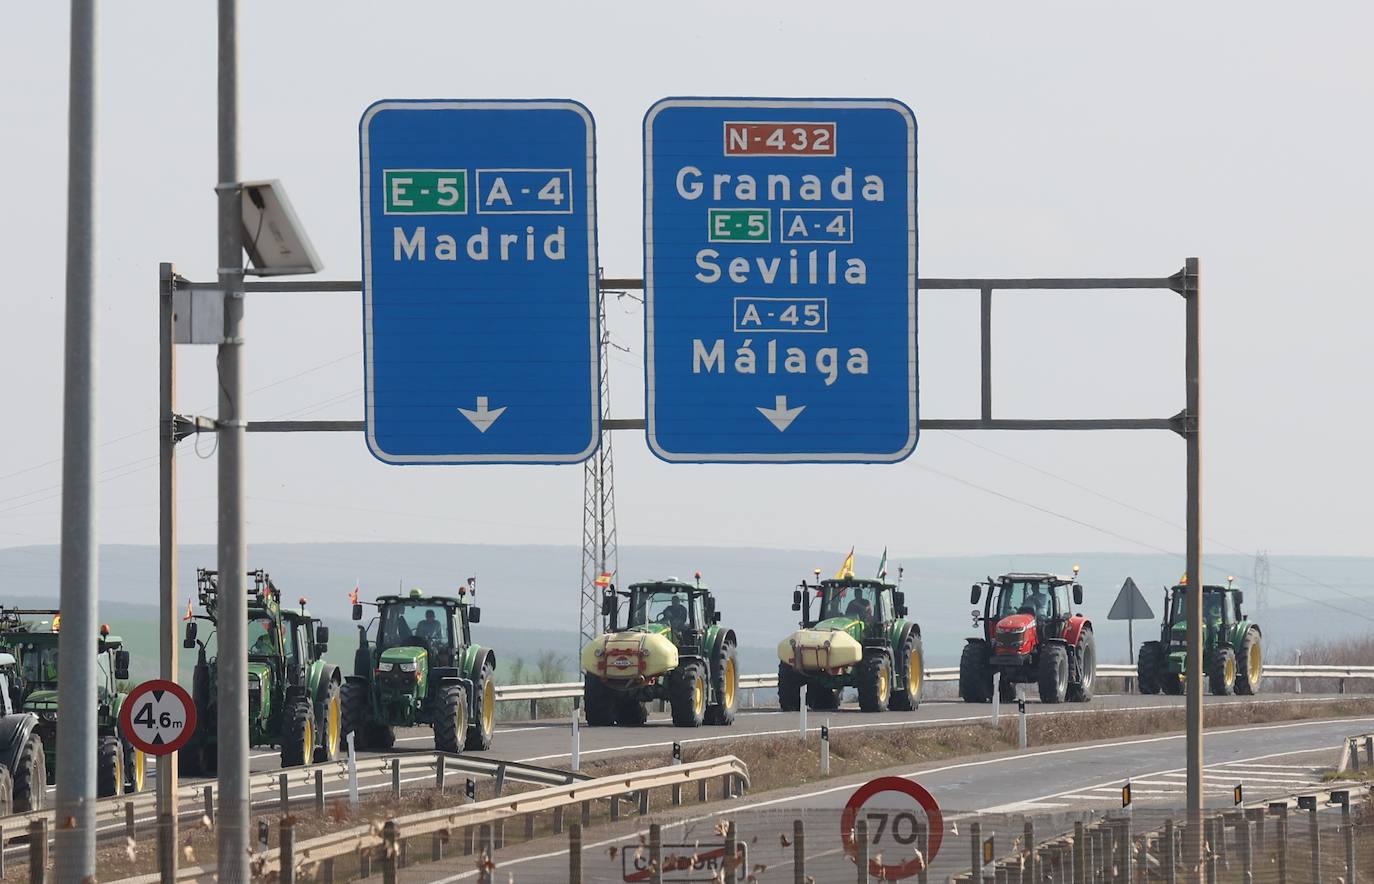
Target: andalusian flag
[
  {"x": 882, "y": 565},
  {"x": 846, "y": 569}
]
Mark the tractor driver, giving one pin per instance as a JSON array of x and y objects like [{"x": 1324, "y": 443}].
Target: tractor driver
[
  {"x": 859, "y": 609},
  {"x": 263, "y": 646},
  {"x": 428, "y": 628},
  {"x": 676, "y": 614}
]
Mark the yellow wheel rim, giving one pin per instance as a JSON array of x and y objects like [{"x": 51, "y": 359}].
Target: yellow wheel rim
[
  {"x": 1254, "y": 664},
  {"x": 140, "y": 769},
  {"x": 698, "y": 696},
  {"x": 1230, "y": 673},
  {"x": 731, "y": 682},
  {"x": 488, "y": 706},
  {"x": 308, "y": 742},
  {"x": 915, "y": 671},
  {"x": 119, "y": 771},
  {"x": 883, "y": 686},
  {"x": 333, "y": 727}
]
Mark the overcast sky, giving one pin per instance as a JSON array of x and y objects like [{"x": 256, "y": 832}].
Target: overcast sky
[{"x": 1055, "y": 139}]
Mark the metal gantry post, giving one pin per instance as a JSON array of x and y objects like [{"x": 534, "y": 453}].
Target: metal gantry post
[
  {"x": 232, "y": 674},
  {"x": 76, "y": 729},
  {"x": 167, "y": 809},
  {"x": 1192, "y": 433}
]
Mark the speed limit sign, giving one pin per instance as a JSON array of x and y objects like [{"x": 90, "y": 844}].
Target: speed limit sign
[
  {"x": 158, "y": 717},
  {"x": 890, "y": 805}
]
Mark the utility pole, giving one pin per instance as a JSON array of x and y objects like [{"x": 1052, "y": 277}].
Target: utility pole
[
  {"x": 1261, "y": 584},
  {"x": 599, "y": 552},
  {"x": 233, "y": 818},
  {"x": 1192, "y": 432},
  {"x": 76, "y": 735}
]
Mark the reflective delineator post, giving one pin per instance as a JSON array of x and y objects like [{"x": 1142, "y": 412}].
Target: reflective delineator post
[
  {"x": 1021, "y": 716},
  {"x": 352, "y": 772},
  {"x": 996, "y": 702},
  {"x": 801, "y": 713},
  {"x": 576, "y": 739},
  {"x": 825, "y": 749}
]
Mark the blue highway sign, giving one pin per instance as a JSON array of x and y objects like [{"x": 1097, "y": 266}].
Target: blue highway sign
[
  {"x": 780, "y": 280},
  {"x": 480, "y": 322}
]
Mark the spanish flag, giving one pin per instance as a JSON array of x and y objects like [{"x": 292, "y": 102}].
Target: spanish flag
[
  {"x": 1183, "y": 581},
  {"x": 846, "y": 569},
  {"x": 353, "y": 596},
  {"x": 603, "y": 579},
  {"x": 188, "y": 616}
]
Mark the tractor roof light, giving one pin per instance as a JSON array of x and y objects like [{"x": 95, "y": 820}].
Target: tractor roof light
[
  {"x": 415, "y": 593},
  {"x": 104, "y": 629}
]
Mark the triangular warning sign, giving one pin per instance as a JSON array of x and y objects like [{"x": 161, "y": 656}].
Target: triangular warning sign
[{"x": 1130, "y": 604}]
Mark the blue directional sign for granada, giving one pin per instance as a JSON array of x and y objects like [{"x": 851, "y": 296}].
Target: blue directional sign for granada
[
  {"x": 780, "y": 280},
  {"x": 480, "y": 322}
]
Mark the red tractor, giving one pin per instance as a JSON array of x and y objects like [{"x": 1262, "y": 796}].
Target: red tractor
[{"x": 1029, "y": 635}]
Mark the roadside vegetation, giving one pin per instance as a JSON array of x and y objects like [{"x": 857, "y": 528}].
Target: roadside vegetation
[{"x": 549, "y": 667}]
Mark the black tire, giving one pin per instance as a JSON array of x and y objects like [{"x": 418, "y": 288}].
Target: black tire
[
  {"x": 1006, "y": 689},
  {"x": 597, "y": 702},
  {"x": 30, "y": 777},
  {"x": 687, "y": 695},
  {"x": 1172, "y": 683},
  {"x": 789, "y": 688},
  {"x": 975, "y": 673},
  {"x": 451, "y": 719},
  {"x": 483, "y": 725},
  {"x": 380, "y": 736},
  {"x": 6, "y": 792},
  {"x": 355, "y": 710},
  {"x": 1053, "y": 678},
  {"x": 630, "y": 711},
  {"x": 109, "y": 767},
  {"x": 875, "y": 682},
  {"x": 909, "y": 697},
  {"x": 822, "y": 699},
  {"x": 1221, "y": 675},
  {"x": 1248, "y": 682},
  {"x": 724, "y": 686},
  {"x": 135, "y": 768},
  {"x": 298, "y": 733},
  {"x": 1081, "y": 691},
  {"x": 1149, "y": 668},
  {"x": 329, "y": 723},
  {"x": 188, "y": 759}
]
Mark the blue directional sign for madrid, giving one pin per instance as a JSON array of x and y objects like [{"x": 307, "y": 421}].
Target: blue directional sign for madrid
[
  {"x": 780, "y": 280},
  {"x": 480, "y": 321}
]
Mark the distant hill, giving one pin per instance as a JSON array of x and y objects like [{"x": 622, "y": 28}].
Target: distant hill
[{"x": 529, "y": 594}]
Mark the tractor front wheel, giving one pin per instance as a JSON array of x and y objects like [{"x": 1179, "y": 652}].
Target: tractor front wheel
[
  {"x": 875, "y": 683},
  {"x": 597, "y": 702},
  {"x": 1149, "y": 668},
  {"x": 1251, "y": 664},
  {"x": 31, "y": 777},
  {"x": 913, "y": 661},
  {"x": 354, "y": 712},
  {"x": 630, "y": 712},
  {"x": 109, "y": 767},
  {"x": 451, "y": 719},
  {"x": 1081, "y": 691},
  {"x": 975, "y": 675},
  {"x": 789, "y": 688},
  {"x": 483, "y": 725},
  {"x": 724, "y": 685},
  {"x": 1222, "y": 675},
  {"x": 1054, "y": 673},
  {"x": 298, "y": 733},
  {"x": 687, "y": 695},
  {"x": 822, "y": 699}
]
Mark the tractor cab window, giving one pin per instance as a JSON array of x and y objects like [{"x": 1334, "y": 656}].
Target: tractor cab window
[
  {"x": 855, "y": 602},
  {"x": 414, "y": 623},
  {"x": 665, "y": 606},
  {"x": 262, "y": 637},
  {"x": 1025, "y": 597},
  {"x": 39, "y": 665},
  {"x": 1061, "y": 600},
  {"x": 1178, "y": 606},
  {"x": 300, "y": 650}
]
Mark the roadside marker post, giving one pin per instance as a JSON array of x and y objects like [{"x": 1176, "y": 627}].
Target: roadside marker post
[
  {"x": 801, "y": 713},
  {"x": 825, "y": 749},
  {"x": 352, "y": 772},
  {"x": 1021, "y": 716},
  {"x": 576, "y": 738}
]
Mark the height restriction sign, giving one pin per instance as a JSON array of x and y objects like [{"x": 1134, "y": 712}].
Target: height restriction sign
[{"x": 158, "y": 717}]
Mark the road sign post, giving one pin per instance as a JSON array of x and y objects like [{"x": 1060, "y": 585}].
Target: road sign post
[
  {"x": 480, "y": 322},
  {"x": 1130, "y": 606},
  {"x": 780, "y": 280}
]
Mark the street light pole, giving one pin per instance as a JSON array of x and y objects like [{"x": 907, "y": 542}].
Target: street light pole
[
  {"x": 232, "y": 676},
  {"x": 1194, "y": 663}
]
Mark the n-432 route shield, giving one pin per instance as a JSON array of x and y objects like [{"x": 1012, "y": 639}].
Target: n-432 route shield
[{"x": 780, "y": 280}]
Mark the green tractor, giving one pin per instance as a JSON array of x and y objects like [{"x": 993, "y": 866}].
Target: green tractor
[
  {"x": 23, "y": 764},
  {"x": 423, "y": 669},
  {"x": 860, "y": 638},
  {"x": 31, "y": 636},
  {"x": 293, "y": 694},
  {"x": 1232, "y": 653},
  {"x": 671, "y": 648}
]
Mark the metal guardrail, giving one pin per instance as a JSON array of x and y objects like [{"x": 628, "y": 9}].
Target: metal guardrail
[
  {"x": 383, "y": 840},
  {"x": 532, "y": 693}
]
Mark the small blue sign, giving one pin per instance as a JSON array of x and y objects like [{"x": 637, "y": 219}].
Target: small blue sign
[
  {"x": 780, "y": 280},
  {"x": 480, "y": 323}
]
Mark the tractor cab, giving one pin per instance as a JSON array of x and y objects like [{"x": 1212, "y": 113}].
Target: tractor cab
[
  {"x": 679, "y": 611},
  {"x": 1019, "y": 609},
  {"x": 851, "y": 604},
  {"x": 1221, "y": 609}
]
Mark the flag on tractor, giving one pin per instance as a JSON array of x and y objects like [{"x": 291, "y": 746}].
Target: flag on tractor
[
  {"x": 847, "y": 567},
  {"x": 188, "y": 611},
  {"x": 1183, "y": 581},
  {"x": 353, "y": 596},
  {"x": 882, "y": 565},
  {"x": 603, "y": 579}
]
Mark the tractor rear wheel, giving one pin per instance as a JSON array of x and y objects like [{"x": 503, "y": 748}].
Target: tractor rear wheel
[
  {"x": 1221, "y": 677},
  {"x": 329, "y": 723},
  {"x": 687, "y": 695},
  {"x": 724, "y": 685},
  {"x": 6, "y": 791},
  {"x": 913, "y": 662},
  {"x": 1054, "y": 673},
  {"x": 109, "y": 767},
  {"x": 789, "y": 688},
  {"x": 975, "y": 675},
  {"x": 298, "y": 733},
  {"x": 1081, "y": 691},
  {"x": 1250, "y": 667},
  {"x": 598, "y": 702},
  {"x": 30, "y": 777},
  {"x": 450, "y": 719},
  {"x": 483, "y": 725},
  {"x": 822, "y": 699},
  {"x": 875, "y": 682},
  {"x": 1149, "y": 668}
]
